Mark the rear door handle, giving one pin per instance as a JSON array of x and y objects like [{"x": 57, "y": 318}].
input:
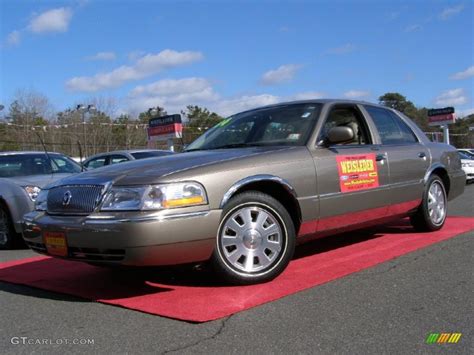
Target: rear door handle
[
  {"x": 380, "y": 157},
  {"x": 421, "y": 155}
]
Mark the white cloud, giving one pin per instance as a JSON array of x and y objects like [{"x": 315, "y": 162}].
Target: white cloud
[
  {"x": 452, "y": 97},
  {"x": 346, "y": 48},
  {"x": 463, "y": 74},
  {"x": 307, "y": 95},
  {"x": 282, "y": 74},
  {"x": 413, "y": 28},
  {"x": 230, "y": 106},
  {"x": 449, "y": 12},
  {"x": 356, "y": 94},
  {"x": 54, "y": 20},
  {"x": 14, "y": 38},
  {"x": 465, "y": 113},
  {"x": 173, "y": 94},
  {"x": 102, "y": 56},
  {"x": 134, "y": 55},
  {"x": 146, "y": 66}
]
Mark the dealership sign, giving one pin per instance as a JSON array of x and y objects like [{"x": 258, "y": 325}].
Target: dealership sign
[
  {"x": 165, "y": 127},
  {"x": 441, "y": 116}
]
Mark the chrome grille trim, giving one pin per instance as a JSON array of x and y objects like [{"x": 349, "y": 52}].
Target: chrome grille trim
[{"x": 84, "y": 199}]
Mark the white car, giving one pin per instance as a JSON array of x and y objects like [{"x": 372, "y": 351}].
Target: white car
[{"x": 467, "y": 165}]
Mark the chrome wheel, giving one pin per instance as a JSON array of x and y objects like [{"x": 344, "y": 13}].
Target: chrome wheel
[
  {"x": 4, "y": 227},
  {"x": 436, "y": 203},
  {"x": 251, "y": 239}
]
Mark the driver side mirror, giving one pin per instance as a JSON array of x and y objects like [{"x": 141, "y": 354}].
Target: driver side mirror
[{"x": 340, "y": 134}]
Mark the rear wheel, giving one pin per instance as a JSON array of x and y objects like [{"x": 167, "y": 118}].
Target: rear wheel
[
  {"x": 431, "y": 215},
  {"x": 256, "y": 239},
  {"x": 7, "y": 232}
]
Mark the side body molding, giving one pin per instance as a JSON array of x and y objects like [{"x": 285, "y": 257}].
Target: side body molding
[{"x": 256, "y": 178}]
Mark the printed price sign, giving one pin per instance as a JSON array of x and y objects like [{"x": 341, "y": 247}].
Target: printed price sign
[{"x": 357, "y": 172}]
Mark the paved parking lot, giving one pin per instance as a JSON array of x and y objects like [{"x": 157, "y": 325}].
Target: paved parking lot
[{"x": 389, "y": 308}]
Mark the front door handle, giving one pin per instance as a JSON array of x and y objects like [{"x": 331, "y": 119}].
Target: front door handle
[{"x": 422, "y": 155}]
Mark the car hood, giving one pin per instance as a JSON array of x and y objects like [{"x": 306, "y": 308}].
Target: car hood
[
  {"x": 37, "y": 180},
  {"x": 150, "y": 170}
]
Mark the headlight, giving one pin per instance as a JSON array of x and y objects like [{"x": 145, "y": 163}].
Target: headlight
[
  {"x": 154, "y": 197},
  {"x": 32, "y": 191},
  {"x": 41, "y": 203}
]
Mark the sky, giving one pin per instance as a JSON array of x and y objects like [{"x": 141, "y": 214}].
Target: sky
[{"x": 230, "y": 56}]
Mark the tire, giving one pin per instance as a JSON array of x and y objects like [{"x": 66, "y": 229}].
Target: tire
[
  {"x": 432, "y": 212},
  {"x": 8, "y": 236},
  {"x": 255, "y": 240}
]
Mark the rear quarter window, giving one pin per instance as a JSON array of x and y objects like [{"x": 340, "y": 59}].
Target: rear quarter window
[{"x": 392, "y": 129}]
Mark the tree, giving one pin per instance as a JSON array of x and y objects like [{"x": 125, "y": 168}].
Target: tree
[
  {"x": 200, "y": 117},
  {"x": 396, "y": 101},
  {"x": 145, "y": 116},
  {"x": 400, "y": 103},
  {"x": 28, "y": 109}
]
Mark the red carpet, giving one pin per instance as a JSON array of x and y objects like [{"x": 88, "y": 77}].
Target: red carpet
[{"x": 195, "y": 296}]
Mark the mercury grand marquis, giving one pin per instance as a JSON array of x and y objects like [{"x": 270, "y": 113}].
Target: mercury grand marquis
[{"x": 248, "y": 190}]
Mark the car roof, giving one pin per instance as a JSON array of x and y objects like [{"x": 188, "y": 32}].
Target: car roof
[
  {"x": 28, "y": 152},
  {"x": 127, "y": 151},
  {"x": 317, "y": 101},
  {"x": 134, "y": 151}
]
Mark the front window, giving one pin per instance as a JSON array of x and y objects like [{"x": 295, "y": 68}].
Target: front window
[
  {"x": 280, "y": 125},
  {"x": 36, "y": 164}
]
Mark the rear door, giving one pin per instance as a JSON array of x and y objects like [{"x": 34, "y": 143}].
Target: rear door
[
  {"x": 408, "y": 159},
  {"x": 352, "y": 178}
]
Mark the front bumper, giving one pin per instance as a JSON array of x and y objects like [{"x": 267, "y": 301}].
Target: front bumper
[
  {"x": 469, "y": 173},
  {"x": 134, "y": 240}
]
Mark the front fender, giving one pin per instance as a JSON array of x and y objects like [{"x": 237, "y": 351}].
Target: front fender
[{"x": 17, "y": 201}]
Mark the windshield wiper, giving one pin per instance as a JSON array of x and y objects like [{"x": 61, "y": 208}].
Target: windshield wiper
[{"x": 240, "y": 145}]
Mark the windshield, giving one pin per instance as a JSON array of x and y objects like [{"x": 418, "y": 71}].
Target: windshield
[
  {"x": 36, "y": 164},
  {"x": 144, "y": 155},
  {"x": 281, "y": 125}
]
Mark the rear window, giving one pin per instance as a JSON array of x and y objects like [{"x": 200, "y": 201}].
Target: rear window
[
  {"x": 392, "y": 129},
  {"x": 144, "y": 155}
]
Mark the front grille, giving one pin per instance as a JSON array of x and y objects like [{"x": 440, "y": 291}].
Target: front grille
[{"x": 74, "y": 199}]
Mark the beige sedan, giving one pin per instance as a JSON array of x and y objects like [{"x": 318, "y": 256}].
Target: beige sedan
[{"x": 251, "y": 188}]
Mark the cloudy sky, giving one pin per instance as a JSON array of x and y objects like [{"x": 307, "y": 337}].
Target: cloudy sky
[{"x": 234, "y": 55}]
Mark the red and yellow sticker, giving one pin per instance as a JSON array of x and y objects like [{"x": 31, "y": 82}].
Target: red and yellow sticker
[{"x": 357, "y": 172}]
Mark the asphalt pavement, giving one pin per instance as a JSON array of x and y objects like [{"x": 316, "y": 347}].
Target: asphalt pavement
[{"x": 389, "y": 308}]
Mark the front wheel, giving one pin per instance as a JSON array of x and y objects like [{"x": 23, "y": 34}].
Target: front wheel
[
  {"x": 7, "y": 233},
  {"x": 431, "y": 215},
  {"x": 255, "y": 241}
]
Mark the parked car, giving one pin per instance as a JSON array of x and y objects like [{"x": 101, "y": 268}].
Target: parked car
[
  {"x": 250, "y": 188},
  {"x": 467, "y": 162},
  {"x": 469, "y": 152},
  {"x": 22, "y": 176},
  {"x": 121, "y": 156}
]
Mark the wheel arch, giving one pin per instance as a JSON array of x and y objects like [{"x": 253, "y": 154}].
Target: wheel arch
[
  {"x": 440, "y": 170},
  {"x": 277, "y": 187}
]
